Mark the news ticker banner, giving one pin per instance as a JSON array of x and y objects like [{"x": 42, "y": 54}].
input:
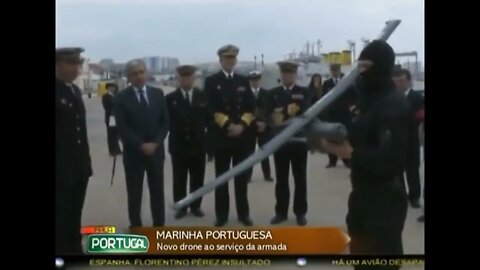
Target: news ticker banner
[
  {"x": 188, "y": 261},
  {"x": 209, "y": 241}
]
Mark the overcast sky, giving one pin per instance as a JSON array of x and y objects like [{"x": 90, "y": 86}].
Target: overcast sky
[{"x": 193, "y": 30}]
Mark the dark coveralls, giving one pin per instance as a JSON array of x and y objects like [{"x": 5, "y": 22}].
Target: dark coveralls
[
  {"x": 377, "y": 206},
  {"x": 230, "y": 100},
  {"x": 187, "y": 141},
  {"x": 72, "y": 167},
  {"x": 294, "y": 154}
]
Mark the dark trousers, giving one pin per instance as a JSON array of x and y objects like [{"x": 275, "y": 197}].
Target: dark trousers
[
  {"x": 298, "y": 159},
  {"x": 183, "y": 166},
  {"x": 266, "y": 162},
  {"x": 262, "y": 140},
  {"x": 136, "y": 164},
  {"x": 68, "y": 216},
  {"x": 375, "y": 222},
  {"x": 210, "y": 144},
  {"x": 113, "y": 141},
  {"x": 332, "y": 160},
  {"x": 413, "y": 181},
  {"x": 223, "y": 158}
]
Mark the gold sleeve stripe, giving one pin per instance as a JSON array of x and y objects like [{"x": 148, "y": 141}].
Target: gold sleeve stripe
[
  {"x": 247, "y": 118},
  {"x": 220, "y": 119},
  {"x": 277, "y": 118}
]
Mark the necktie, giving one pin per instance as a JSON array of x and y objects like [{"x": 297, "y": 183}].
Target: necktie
[
  {"x": 229, "y": 77},
  {"x": 143, "y": 101},
  {"x": 73, "y": 90},
  {"x": 187, "y": 96}
]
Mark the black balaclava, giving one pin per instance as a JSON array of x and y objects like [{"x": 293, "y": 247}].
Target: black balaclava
[{"x": 377, "y": 79}]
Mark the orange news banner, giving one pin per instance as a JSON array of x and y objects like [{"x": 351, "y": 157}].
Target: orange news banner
[{"x": 234, "y": 241}]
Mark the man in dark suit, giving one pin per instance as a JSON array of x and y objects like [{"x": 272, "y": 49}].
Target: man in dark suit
[
  {"x": 142, "y": 120},
  {"x": 283, "y": 103},
  {"x": 403, "y": 83},
  {"x": 189, "y": 118},
  {"x": 339, "y": 112},
  {"x": 72, "y": 156},
  {"x": 112, "y": 133},
  {"x": 232, "y": 105},
  {"x": 262, "y": 132}
]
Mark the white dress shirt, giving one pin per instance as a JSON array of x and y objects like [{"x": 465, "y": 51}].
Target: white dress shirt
[
  {"x": 228, "y": 74},
  {"x": 137, "y": 93},
  {"x": 71, "y": 88},
  {"x": 190, "y": 94},
  {"x": 256, "y": 91},
  {"x": 408, "y": 92},
  {"x": 335, "y": 80}
]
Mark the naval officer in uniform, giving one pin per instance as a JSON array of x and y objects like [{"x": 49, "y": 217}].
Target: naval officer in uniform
[
  {"x": 339, "y": 111},
  {"x": 72, "y": 156},
  {"x": 283, "y": 103},
  {"x": 189, "y": 120},
  {"x": 261, "y": 131},
  {"x": 232, "y": 105},
  {"x": 403, "y": 83}
]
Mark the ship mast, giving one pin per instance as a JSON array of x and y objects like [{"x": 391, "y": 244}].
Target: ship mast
[
  {"x": 319, "y": 45},
  {"x": 351, "y": 45}
]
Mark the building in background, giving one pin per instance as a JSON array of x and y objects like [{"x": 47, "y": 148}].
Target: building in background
[
  {"x": 161, "y": 65},
  {"x": 96, "y": 69},
  {"x": 90, "y": 75},
  {"x": 106, "y": 63},
  {"x": 117, "y": 70}
]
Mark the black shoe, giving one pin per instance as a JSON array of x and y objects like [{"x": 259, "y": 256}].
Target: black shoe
[
  {"x": 197, "y": 212},
  {"x": 331, "y": 166},
  {"x": 301, "y": 220},
  {"x": 180, "y": 214},
  {"x": 246, "y": 221},
  {"x": 277, "y": 219},
  {"x": 415, "y": 203},
  {"x": 220, "y": 222},
  {"x": 269, "y": 179},
  {"x": 421, "y": 218}
]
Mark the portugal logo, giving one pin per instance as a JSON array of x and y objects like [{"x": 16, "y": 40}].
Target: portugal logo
[{"x": 117, "y": 243}]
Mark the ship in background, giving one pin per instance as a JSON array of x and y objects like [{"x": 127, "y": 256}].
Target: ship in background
[{"x": 311, "y": 60}]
